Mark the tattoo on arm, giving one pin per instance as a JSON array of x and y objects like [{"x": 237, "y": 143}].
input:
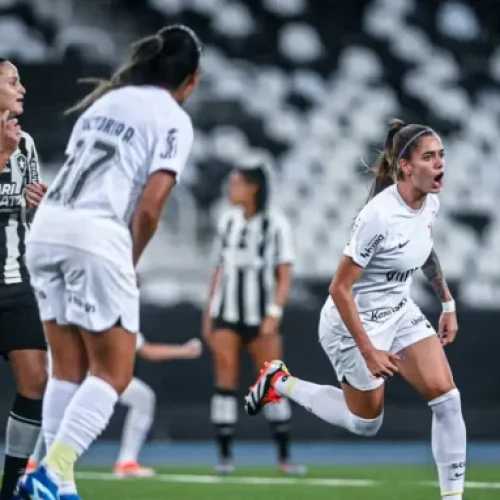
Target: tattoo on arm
[{"x": 434, "y": 274}]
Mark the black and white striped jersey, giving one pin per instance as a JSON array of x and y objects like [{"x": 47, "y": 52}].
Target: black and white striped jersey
[
  {"x": 247, "y": 252},
  {"x": 23, "y": 168}
]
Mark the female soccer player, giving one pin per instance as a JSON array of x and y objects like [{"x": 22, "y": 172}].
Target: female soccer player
[
  {"x": 249, "y": 289},
  {"x": 22, "y": 341},
  {"x": 125, "y": 155},
  {"x": 140, "y": 400},
  {"x": 370, "y": 328}
]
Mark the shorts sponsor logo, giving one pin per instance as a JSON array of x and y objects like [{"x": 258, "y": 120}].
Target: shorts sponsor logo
[
  {"x": 372, "y": 245},
  {"x": 418, "y": 320},
  {"x": 383, "y": 313},
  {"x": 81, "y": 303}
]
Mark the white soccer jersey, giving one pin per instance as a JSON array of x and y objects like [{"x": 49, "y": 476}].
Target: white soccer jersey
[
  {"x": 391, "y": 242},
  {"x": 115, "y": 146}
]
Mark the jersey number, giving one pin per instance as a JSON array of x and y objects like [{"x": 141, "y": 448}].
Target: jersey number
[{"x": 73, "y": 178}]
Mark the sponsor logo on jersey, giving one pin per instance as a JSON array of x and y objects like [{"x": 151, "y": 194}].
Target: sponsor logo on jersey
[
  {"x": 401, "y": 276},
  {"x": 383, "y": 313},
  {"x": 171, "y": 145},
  {"x": 10, "y": 196},
  {"x": 372, "y": 245},
  {"x": 418, "y": 320},
  {"x": 34, "y": 171}
]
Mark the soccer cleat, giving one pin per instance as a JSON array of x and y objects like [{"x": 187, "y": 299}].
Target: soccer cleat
[
  {"x": 262, "y": 392},
  {"x": 38, "y": 486},
  {"x": 132, "y": 469},
  {"x": 31, "y": 466},
  {"x": 289, "y": 469},
  {"x": 225, "y": 467}
]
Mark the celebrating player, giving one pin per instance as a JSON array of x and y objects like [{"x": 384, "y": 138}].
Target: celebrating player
[
  {"x": 22, "y": 341},
  {"x": 369, "y": 326},
  {"x": 250, "y": 286},
  {"x": 125, "y": 154}
]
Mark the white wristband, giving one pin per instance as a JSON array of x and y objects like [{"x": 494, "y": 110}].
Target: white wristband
[
  {"x": 275, "y": 311},
  {"x": 448, "y": 307}
]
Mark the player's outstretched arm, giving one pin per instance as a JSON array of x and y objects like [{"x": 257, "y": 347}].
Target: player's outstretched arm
[
  {"x": 162, "y": 352},
  {"x": 434, "y": 274}
]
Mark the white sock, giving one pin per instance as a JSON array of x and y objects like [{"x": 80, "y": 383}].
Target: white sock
[
  {"x": 39, "y": 450},
  {"x": 328, "y": 403},
  {"x": 85, "y": 418},
  {"x": 449, "y": 443},
  {"x": 141, "y": 400},
  {"x": 55, "y": 401},
  {"x": 58, "y": 395}
]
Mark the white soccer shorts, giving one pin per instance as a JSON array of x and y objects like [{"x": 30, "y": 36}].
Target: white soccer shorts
[
  {"x": 410, "y": 327},
  {"x": 76, "y": 287}
]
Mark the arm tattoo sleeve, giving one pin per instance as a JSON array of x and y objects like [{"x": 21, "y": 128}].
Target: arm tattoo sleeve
[{"x": 434, "y": 274}]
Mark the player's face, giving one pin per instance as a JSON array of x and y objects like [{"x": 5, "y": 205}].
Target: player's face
[
  {"x": 425, "y": 169},
  {"x": 11, "y": 91},
  {"x": 241, "y": 192}
]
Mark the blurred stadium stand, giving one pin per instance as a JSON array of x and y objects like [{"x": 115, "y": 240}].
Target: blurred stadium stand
[{"x": 308, "y": 86}]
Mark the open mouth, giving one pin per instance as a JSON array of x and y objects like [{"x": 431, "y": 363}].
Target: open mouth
[{"x": 438, "y": 181}]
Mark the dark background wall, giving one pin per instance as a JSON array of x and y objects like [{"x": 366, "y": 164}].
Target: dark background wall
[{"x": 184, "y": 388}]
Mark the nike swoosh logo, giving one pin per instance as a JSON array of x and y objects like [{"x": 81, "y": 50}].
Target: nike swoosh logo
[
  {"x": 459, "y": 475},
  {"x": 401, "y": 245}
]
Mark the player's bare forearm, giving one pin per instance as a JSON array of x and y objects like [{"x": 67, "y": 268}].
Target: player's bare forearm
[
  {"x": 283, "y": 284},
  {"x": 143, "y": 228},
  {"x": 434, "y": 274}
]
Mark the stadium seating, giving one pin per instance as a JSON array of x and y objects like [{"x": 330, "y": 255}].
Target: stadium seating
[{"x": 309, "y": 86}]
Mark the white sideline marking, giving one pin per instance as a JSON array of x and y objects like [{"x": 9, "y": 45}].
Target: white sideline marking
[{"x": 208, "y": 479}]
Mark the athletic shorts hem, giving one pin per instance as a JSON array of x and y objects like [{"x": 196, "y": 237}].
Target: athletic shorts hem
[{"x": 246, "y": 332}]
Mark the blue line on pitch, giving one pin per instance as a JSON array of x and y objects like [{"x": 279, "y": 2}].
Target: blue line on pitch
[{"x": 183, "y": 454}]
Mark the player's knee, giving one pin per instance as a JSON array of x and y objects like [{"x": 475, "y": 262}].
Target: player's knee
[
  {"x": 447, "y": 404},
  {"x": 366, "y": 426},
  {"x": 32, "y": 382}
]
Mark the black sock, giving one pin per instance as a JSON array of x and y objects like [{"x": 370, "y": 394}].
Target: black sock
[
  {"x": 224, "y": 416},
  {"x": 281, "y": 434},
  {"x": 224, "y": 437},
  {"x": 23, "y": 428}
]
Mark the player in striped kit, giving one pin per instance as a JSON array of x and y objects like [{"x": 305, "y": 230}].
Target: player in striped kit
[
  {"x": 250, "y": 285},
  {"x": 140, "y": 400},
  {"x": 22, "y": 341}
]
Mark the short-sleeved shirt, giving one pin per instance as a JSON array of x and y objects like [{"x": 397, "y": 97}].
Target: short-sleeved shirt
[
  {"x": 116, "y": 145},
  {"x": 390, "y": 241}
]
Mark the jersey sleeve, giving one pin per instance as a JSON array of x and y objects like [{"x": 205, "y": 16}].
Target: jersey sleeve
[
  {"x": 139, "y": 341},
  {"x": 368, "y": 233},
  {"x": 285, "y": 247},
  {"x": 172, "y": 147},
  {"x": 33, "y": 173}
]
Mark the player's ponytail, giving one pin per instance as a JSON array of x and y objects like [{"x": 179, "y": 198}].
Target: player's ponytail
[
  {"x": 385, "y": 166},
  {"x": 167, "y": 59}
]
